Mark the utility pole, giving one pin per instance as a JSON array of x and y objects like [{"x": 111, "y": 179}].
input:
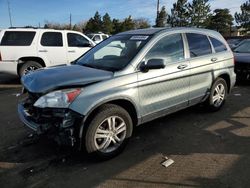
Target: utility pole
[
  {"x": 70, "y": 19},
  {"x": 158, "y": 9},
  {"x": 9, "y": 13}
]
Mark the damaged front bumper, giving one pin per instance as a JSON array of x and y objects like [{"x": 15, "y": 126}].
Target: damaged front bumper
[{"x": 62, "y": 125}]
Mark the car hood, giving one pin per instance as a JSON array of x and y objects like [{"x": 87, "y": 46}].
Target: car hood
[
  {"x": 49, "y": 79},
  {"x": 242, "y": 57}
]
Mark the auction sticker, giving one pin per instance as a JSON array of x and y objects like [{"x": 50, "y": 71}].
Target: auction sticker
[{"x": 139, "y": 37}]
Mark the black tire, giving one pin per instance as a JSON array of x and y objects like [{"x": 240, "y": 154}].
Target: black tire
[
  {"x": 29, "y": 66},
  {"x": 211, "y": 104},
  {"x": 98, "y": 122}
]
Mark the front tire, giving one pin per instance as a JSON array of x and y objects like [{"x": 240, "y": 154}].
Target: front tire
[
  {"x": 217, "y": 95},
  {"x": 108, "y": 132}
]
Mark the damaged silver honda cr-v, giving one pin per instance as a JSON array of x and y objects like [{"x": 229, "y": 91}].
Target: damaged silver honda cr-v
[{"x": 128, "y": 79}]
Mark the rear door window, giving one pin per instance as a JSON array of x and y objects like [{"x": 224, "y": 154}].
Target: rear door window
[
  {"x": 52, "y": 39},
  {"x": 18, "y": 38},
  {"x": 75, "y": 40},
  {"x": 199, "y": 44},
  {"x": 218, "y": 45}
]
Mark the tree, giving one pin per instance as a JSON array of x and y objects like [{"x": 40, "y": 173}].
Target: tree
[
  {"x": 117, "y": 26},
  {"x": 107, "y": 25},
  {"x": 179, "y": 14},
  {"x": 94, "y": 24},
  {"x": 199, "y": 13},
  {"x": 221, "y": 21},
  {"x": 243, "y": 18},
  {"x": 127, "y": 24},
  {"x": 141, "y": 23},
  {"x": 161, "y": 19}
]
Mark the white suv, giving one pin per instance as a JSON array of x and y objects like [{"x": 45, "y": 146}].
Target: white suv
[
  {"x": 98, "y": 37},
  {"x": 24, "y": 50}
]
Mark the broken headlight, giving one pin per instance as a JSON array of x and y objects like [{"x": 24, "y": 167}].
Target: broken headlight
[{"x": 58, "y": 99}]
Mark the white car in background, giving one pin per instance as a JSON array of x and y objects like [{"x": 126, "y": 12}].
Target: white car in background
[
  {"x": 26, "y": 49},
  {"x": 98, "y": 37}
]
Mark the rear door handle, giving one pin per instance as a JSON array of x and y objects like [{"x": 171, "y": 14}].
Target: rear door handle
[
  {"x": 214, "y": 59},
  {"x": 43, "y": 50},
  {"x": 182, "y": 66},
  {"x": 71, "y": 51}
]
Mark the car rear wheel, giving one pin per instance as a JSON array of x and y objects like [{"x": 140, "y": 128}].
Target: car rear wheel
[
  {"x": 108, "y": 132},
  {"x": 217, "y": 95},
  {"x": 28, "y": 67}
]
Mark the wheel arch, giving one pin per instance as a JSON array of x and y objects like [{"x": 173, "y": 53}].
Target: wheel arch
[
  {"x": 226, "y": 77},
  {"x": 22, "y": 60},
  {"x": 125, "y": 103}
]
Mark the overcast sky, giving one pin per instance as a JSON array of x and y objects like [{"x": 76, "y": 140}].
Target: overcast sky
[{"x": 33, "y": 12}]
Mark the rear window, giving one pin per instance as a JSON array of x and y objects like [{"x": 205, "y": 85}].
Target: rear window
[
  {"x": 52, "y": 39},
  {"x": 198, "y": 44},
  {"x": 218, "y": 45},
  {"x": 18, "y": 38}
]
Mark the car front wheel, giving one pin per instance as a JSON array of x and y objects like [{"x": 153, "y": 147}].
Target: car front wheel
[{"x": 108, "y": 132}]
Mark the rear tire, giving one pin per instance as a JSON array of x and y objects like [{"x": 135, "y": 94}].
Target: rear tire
[
  {"x": 108, "y": 132},
  {"x": 29, "y": 66},
  {"x": 217, "y": 95}
]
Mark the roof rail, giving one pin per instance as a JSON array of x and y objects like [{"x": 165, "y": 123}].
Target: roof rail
[{"x": 26, "y": 27}]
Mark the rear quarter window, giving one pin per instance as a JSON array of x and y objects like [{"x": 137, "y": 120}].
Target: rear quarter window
[
  {"x": 17, "y": 38},
  {"x": 53, "y": 39},
  {"x": 218, "y": 45},
  {"x": 199, "y": 44}
]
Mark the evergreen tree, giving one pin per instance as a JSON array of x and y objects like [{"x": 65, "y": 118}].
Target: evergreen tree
[
  {"x": 127, "y": 24},
  {"x": 161, "y": 19},
  {"x": 117, "y": 26},
  {"x": 221, "y": 21},
  {"x": 179, "y": 14},
  {"x": 94, "y": 24},
  {"x": 243, "y": 18},
  {"x": 199, "y": 13},
  {"x": 107, "y": 25}
]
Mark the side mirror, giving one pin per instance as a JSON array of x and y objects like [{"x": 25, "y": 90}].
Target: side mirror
[{"x": 152, "y": 64}]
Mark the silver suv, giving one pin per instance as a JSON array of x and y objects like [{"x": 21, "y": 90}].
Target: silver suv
[{"x": 127, "y": 80}]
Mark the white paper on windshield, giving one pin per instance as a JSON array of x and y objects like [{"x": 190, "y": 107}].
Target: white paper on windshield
[{"x": 139, "y": 37}]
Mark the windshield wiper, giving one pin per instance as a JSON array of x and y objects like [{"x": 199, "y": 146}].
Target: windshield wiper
[{"x": 91, "y": 66}]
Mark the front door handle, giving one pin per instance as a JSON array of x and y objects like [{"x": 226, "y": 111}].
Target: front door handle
[
  {"x": 71, "y": 51},
  {"x": 214, "y": 59},
  {"x": 43, "y": 50},
  {"x": 182, "y": 66}
]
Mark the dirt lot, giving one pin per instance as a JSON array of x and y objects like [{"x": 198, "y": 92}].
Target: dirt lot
[{"x": 208, "y": 149}]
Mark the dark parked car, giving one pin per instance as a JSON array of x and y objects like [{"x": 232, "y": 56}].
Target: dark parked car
[
  {"x": 242, "y": 60},
  {"x": 235, "y": 41}
]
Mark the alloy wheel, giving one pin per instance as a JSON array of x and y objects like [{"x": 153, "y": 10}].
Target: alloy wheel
[
  {"x": 110, "y": 134},
  {"x": 219, "y": 95}
]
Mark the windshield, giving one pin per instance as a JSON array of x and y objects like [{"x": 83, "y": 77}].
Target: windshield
[
  {"x": 244, "y": 47},
  {"x": 115, "y": 53}
]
